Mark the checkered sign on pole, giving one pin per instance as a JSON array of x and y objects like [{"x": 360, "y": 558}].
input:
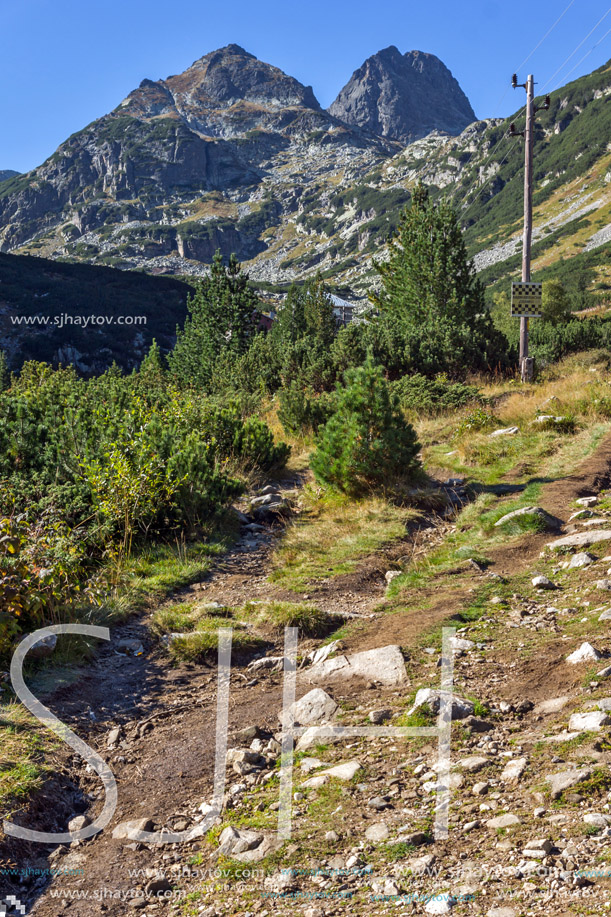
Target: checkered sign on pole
[{"x": 526, "y": 299}]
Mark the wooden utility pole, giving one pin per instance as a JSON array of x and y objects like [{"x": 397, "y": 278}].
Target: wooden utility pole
[
  {"x": 526, "y": 364},
  {"x": 525, "y": 368}
]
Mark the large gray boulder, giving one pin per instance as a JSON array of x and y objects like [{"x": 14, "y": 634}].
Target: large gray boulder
[
  {"x": 566, "y": 780},
  {"x": 580, "y": 539},
  {"x": 314, "y": 707},
  {"x": 384, "y": 665},
  {"x": 245, "y": 845}
]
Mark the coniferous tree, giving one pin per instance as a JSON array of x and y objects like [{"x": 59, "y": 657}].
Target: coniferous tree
[
  {"x": 303, "y": 334},
  {"x": 221, "y": 319},
  {"x": 367, "y": 442},
  {"x": 432, "y": 313}
]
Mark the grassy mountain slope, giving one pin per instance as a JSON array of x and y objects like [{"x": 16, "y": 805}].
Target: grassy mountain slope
[{"x": 481, "y": 171}]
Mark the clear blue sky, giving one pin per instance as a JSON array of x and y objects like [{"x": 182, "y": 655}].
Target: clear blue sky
[{"x": 66, "y": 62}]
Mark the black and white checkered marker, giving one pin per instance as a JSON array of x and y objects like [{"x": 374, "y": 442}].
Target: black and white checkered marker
[
  {"x": 12, "y": 902},
  {"x": 526, "y": 298}
]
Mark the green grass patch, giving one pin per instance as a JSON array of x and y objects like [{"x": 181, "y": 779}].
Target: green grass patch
[
  {"x": 332, "y": 534},
  {"x": 23, "y": 759},
  {"x": 202, "y": 644},
  {"x": 311, "y": 620},
  {"x": 161, "y": 569}
]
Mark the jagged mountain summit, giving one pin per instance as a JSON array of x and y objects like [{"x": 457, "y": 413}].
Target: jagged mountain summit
[
  {"x": 214, "y": 157},
  {"x": 403, "y": 97},
  {"x": 226, "y": 93},
  {"x": 234, "y": 154},
  {"x": 147, "y": 177}
]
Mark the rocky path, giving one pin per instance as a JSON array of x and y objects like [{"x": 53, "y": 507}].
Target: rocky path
[{"x": 517, "y": 804}]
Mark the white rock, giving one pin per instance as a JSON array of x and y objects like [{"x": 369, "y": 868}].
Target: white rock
[
  {"x": 585, "y": 653},
  {"x": 390, "y": 575},
  {"x": 314, "y": 707},
  {"x": 503, "y": 821},
  {"x": 565, "y": 780},
  {"x": 440, "y": 904},
  {"x": 78, "y": 823},
  {"x": 473, "y": 763},
  {"x": 266, "y": 662},
  {"x": 310, "y": 764},
  {"x": 460, "y": 644},
  {"x": 593, "y": 818},
  {"x": 542, "y": 582},
  {"x": 384, "y": 665},
  {"x": 589, "y": 722},
  {"x": 586, "y": 501},
  {"x": 129, "y": 830},
  {"x": 501, "y": 912},
  {"x": 315, "y": 783},
  {"x": 377, "y": 832},
  {"x": 345, "y": 771},
  {"x": 553, "y": 705},
  {"x": 538, "y": 848},
  {"x": 580, "y": 539},
  {"x": 419, "y": 865},
  {"x": 431, "y": 697},
  {"x": 323, "y": 652},
  {"x": 514, "y": 770},
  {"x": 319, "y": 735},
  {"x": 480, "y": 789},
  {"x": 604, "y": 584},
  {"x": 506, "y": 431}
]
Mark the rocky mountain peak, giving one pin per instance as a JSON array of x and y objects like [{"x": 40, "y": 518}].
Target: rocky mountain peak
[
  {"x": 403, "y": 97},
  {"x": 221, "y": 93}
]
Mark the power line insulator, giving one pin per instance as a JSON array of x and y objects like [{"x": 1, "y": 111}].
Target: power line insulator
[{"x": 514, "y": 80}]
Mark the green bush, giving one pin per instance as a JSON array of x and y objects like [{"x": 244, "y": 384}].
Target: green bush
[
  {"x": 550, "y": 342},
  {"x": 475, "y": 422},
  {"x": 433, "y": 396},
  {"x": 122, "y": 456},
  {"x": 303, "y": 412},
  {"x": 367, "y": 442},
  {"x": 42, "y": 577}
]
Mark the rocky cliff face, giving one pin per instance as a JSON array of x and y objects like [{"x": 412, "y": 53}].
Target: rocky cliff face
[
  {"x": 403, "y": 97},
  {"x": 145, "y": 176},
  {"x": 227, "y": 93},
  {"x": 236, "y": 155}
]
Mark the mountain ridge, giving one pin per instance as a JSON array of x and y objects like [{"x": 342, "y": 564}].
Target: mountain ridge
[
  {"x": 403, "y": 97},
  {"x": 303, "y": 191}
]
